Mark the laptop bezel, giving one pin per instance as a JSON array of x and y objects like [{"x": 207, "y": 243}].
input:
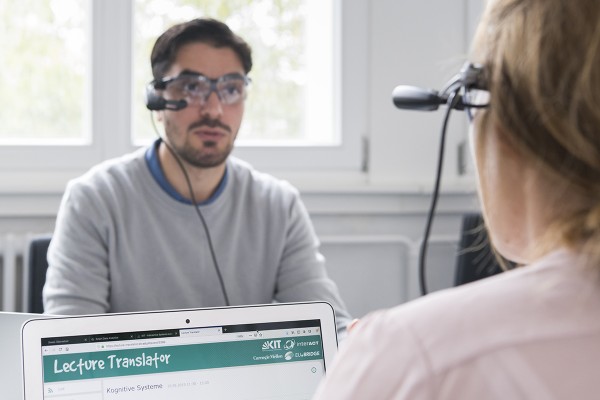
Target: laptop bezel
[{"x": 34, "y": 330}]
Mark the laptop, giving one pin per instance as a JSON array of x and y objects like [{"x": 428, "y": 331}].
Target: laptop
[
  {"x": 10, "y": 353},
  {"x": 274, "y": 351}
]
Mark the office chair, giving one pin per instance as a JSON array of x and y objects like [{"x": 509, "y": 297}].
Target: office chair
[
  {"x": 475, "y": 260},
  {"x": 38, "y": 264}
]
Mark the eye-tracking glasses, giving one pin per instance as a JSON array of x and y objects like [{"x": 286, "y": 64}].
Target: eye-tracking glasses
[
  {"x": 467, "y": 90},
  {"x": 195, "y": 88}
]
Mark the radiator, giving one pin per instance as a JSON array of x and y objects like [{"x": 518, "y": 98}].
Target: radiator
[{"x": 13, "y": 271}]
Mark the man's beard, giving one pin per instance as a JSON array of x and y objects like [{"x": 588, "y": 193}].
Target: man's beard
[{"x": 198, "y": 157}]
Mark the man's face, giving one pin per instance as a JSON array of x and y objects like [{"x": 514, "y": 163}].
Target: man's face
[{"x": 203, "y": 134}]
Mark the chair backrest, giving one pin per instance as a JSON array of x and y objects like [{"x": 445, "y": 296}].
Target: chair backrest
[
  {"x": 38, "y": 264},
  {"x": 475, "y": 260}
]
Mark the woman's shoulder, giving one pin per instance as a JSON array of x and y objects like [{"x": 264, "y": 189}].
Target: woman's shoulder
[{"x": 514, "y": 307}]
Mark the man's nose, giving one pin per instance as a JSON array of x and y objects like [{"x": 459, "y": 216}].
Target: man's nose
[{"x": 212, "y": 106}]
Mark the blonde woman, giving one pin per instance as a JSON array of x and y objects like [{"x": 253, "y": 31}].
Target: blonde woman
[{"x": 532, "y": 332}]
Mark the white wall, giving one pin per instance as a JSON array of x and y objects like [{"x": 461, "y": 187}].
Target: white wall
[
  {"x": 420, "y": 43},
  {"x": 370, "y": 222}
]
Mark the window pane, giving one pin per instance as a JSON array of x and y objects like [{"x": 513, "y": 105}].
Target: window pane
[
  {"x": 43, "y": 73},
  {"x": 290, "y": 101}
]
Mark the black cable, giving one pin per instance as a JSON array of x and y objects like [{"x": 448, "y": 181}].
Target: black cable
[
  {"x": 198, "y": 212},
  {"x": 452, "y": 99}
]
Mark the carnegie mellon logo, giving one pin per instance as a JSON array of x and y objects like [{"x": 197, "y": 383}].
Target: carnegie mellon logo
[{"x": 271, "y": 345}]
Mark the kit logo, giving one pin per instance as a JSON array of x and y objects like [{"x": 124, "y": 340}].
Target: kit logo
[{"x": 271, "y": 345}]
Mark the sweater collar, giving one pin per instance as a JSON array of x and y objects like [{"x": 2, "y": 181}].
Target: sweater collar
[{"x": 155, "y": 168}]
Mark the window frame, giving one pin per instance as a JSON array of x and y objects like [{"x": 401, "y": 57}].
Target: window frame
[{"x": 110, "y": 106}]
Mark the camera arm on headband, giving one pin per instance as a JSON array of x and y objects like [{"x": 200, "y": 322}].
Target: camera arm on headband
[{"x": 421, "y": 99}]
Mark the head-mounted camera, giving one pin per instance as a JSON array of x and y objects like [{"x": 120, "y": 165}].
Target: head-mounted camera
[{"x": 469, "y": 86}]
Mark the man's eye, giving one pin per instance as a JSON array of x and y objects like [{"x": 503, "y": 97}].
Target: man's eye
[
  {"x": 191, "y": 87},
  {"x": 232, "y": 89}
]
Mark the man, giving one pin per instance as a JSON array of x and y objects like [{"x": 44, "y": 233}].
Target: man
[{"x": 128, "y": 236}]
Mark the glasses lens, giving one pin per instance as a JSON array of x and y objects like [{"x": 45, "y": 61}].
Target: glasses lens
[
  {"x": 477, "y": 97},
  {"x": 231, "y": 90},
  {"x": 189, "y": 87}
]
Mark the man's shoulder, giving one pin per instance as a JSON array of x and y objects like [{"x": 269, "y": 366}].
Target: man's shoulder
[
  {"x": 111, "y": 172},
  {"x": 116, "y": 166}
]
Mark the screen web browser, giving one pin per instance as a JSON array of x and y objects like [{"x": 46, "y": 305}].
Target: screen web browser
[{"x": 282, "y": 360}]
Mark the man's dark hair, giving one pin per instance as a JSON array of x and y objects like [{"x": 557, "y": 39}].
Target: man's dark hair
[{"x": 204, "y": 30}]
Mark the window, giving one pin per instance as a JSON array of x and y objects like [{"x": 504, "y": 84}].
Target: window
[
  {"x": 44, "y": 72},
  {"x": 76, "y": 70}
]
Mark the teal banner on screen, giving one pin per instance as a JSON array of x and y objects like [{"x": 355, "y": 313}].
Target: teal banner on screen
[{"x": 152, "y": 360}]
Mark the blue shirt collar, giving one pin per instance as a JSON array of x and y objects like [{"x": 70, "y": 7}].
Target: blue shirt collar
[{"x": 156, "y": 170}]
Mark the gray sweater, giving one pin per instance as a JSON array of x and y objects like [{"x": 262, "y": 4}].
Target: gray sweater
[{"x": 121, "y": 243}]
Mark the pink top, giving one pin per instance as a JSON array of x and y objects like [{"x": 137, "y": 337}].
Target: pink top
[{"x": 531, "y": 333}]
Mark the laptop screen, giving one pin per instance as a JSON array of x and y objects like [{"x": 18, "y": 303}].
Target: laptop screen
[{"x": 271, "y": 360}]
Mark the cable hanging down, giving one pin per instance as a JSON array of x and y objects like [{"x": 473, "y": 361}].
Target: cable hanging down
[
  {"x": 452, "y": 99},
  {"x": 199, "y": 213}
]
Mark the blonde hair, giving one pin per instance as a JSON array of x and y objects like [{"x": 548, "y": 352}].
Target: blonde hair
[{"x": 542, "y": 61}]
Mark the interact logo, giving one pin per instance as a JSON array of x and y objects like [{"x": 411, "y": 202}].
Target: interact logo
[{"x": 289, "y": 344}]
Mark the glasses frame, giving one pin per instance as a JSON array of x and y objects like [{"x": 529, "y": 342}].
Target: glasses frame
[{"x": 162, "y": 84}]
